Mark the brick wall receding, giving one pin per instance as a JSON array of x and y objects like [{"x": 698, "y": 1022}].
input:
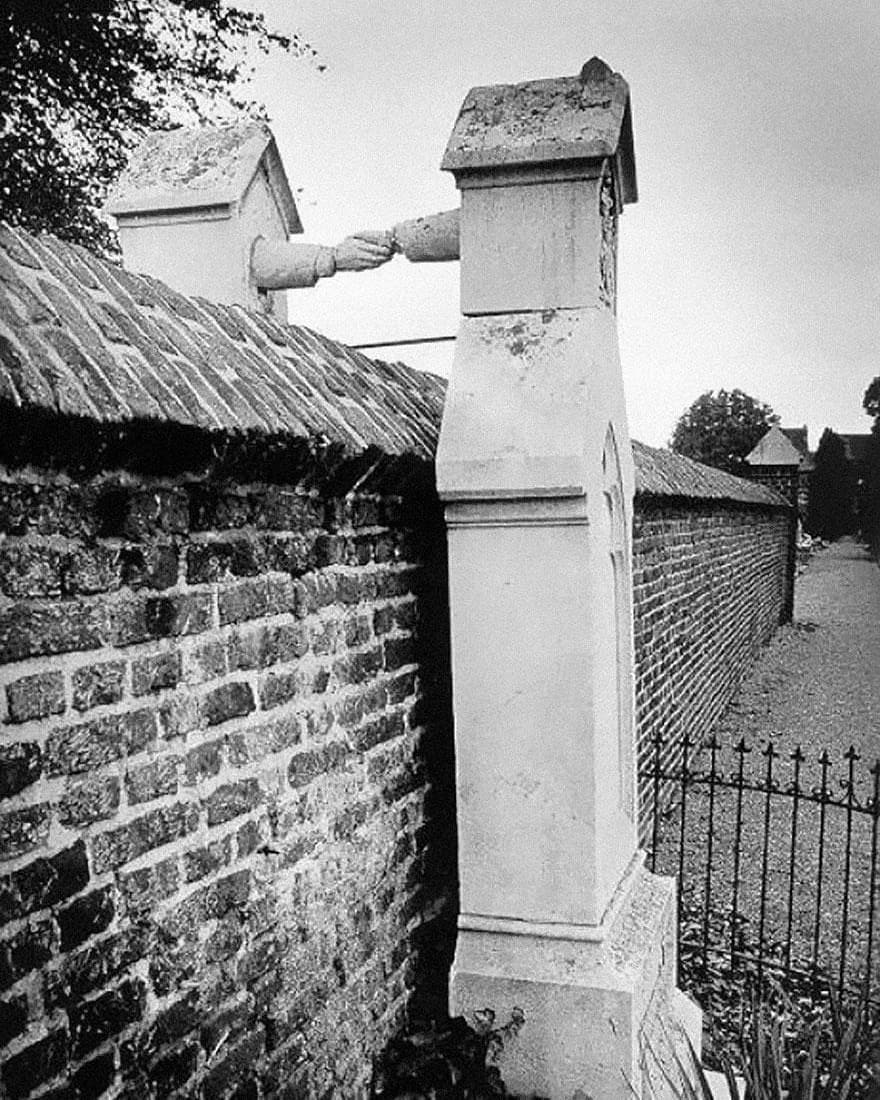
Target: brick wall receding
[
  {"x": 711, "y": 582},
  {"x": 226, "y": 831}
]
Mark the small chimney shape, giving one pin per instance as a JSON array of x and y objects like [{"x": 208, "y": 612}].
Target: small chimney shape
[{"x": 193, "y": 201}]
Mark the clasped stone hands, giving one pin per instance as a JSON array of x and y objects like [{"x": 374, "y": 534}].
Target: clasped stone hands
[{"x": 364, "y": 250}]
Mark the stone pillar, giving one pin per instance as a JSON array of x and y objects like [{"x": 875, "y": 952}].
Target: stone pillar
[{"x": 558, "y": 915}]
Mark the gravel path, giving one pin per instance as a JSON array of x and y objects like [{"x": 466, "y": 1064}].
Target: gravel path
[{"x": 817, "y": 685}]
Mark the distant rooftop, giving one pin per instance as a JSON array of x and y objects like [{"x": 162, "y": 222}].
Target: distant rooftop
[{"x": 775, "y": 448}]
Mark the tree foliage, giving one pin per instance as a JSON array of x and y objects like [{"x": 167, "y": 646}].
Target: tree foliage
[
  {"x": 719, "y": 429},
  {"x": 82, "y": 80},
  {"x": 832, "y": 490},
  {"x": 869, "y": 498}
]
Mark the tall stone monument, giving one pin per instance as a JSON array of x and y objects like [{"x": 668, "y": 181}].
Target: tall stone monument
[{"x": 558, "y": 917}]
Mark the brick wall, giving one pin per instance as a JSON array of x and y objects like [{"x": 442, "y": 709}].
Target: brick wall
[
  {"x": 221, "y": 730},
  {"x": 711, "y": 582}
]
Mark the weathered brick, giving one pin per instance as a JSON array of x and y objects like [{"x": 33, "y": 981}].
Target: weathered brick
[
  {"x": 352, "y": 707},
  {"x": 43, "y": 882},
  {"x": 202, "y": 862},
  {"x": 22, "y": 830},
  {"x": 143, "y": 888},
  {"x": 152, "y": 780},
  {"x": 235, "y": 1068},
  {"x": 278, "y": 688},
  {"x": 216, "y": 508},
  {"x": 87, "y": 745},
  {"x": 153, "y": 566},
  {"x": 91, "y": 1022},
  {"x": 268, "y": 645},
  {"x": 231, "y": 556},
  {"x": 85, "y": 916},
  {"x": 13, "y": 1017},
  {"x": 308, "y": 765},
  {"x": 119, "y": 846},
  {"x": 232, "y": 800},
  {"x": 383, "y": 727},
  {"x": 179, "y": 716},
  {"x": 156, "y": 672},
  {"x": 30, "y": 570},
  {"x": 205, "y": 662},
  {"x": 25, "y": 951},
  {"x": 35, "y": 696},
  {"x": 94, "y": 965},
  {"x": 40, "y": 1062},
  {"x": 176, "y": 1020},
  {"x": 400, "y": 652},
  {"x": 20, "y": 765},
  {"x": 89, "y": 801},
  {"x": 141, "y": 618},
  {"x": 355, "y": 668},
  {"x": 89, "y": 570},
  {"x": 98, "y": 685},
  {"x": 45, "y": 509},
  {"x": 225, "y": 895},
  {"x": 140, "y": 514},
  {"x": 93, "y": 1078},
  {"x": 243, "y": 600},
  {"x": 36, "y": 630},
  {"x": 204, "y": 761},
  {"x": 171, "y": 1071},
  {"x": 248, "y": 838},
  {"x": 233, "y": 700}
]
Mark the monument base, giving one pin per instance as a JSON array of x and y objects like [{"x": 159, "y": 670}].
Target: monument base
[{"x": 603, "y": 1017}]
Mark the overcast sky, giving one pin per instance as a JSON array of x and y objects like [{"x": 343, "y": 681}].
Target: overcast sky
[{"x": 752, "y": 258}]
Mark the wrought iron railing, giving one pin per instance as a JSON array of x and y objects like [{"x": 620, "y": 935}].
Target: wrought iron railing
[{"x": 776, "y": 857}]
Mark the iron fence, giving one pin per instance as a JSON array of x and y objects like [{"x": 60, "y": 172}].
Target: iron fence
[{"x": 776, "y": 856}]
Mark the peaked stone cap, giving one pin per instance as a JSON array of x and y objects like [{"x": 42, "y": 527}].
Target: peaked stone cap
[
  {"x": 207, "y": 166},
  {"x": 584, "y": 117},
  {"x": 774, "y": 449}
]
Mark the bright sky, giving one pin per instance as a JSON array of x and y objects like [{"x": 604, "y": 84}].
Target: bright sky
[{"x": 752, "y": 259}]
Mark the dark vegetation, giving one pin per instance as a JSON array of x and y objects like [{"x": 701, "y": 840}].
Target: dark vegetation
[
  {"x": 82, "y": 80},
  {"x": 831, "y": 511},
  {"x": 719, "y": 429}
]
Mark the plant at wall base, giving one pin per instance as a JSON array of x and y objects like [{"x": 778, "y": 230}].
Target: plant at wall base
[
  {"x": 81, "y": 80},
  {"x": 448, "y": 1061},
  {"x": 719, "y": 429},
  {"x": 787, "y": 1051}
]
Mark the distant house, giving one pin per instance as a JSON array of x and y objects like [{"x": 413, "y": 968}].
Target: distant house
[{"x": 781, "y": 459}]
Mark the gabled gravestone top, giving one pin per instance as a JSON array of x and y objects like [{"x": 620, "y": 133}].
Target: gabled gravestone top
[
  {"x": 202, "y": 168},
  {"x": 191, "y": 204},
  {"x": 558, "y": 915},
  {"x": 583, "y": 117}
]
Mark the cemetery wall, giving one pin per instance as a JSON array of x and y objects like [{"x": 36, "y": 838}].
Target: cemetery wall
[
  {"x": 227, "y": 840},
  {"x": 713, "y": 576}
]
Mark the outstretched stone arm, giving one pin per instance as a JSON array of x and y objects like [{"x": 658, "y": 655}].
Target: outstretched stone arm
[
  {"x": 288, "y": 265},
  {"x": 430, "y": 239}
]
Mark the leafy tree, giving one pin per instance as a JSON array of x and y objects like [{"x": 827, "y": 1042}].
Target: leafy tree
[
  {"x": 82, "y": 80},
  {"x": 871, "y": 401},
  {"x": 869, "y": 500},
  {"x": 719, "y": 429},
  {"x": 832, "y": 492}
]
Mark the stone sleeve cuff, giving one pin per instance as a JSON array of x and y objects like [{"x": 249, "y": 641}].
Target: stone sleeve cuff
[{"x": 325, "y": 262}]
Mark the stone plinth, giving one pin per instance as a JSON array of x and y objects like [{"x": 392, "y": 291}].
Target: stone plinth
[{"x": 558, "y": 917}]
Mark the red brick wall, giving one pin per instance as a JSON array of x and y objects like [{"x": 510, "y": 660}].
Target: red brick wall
[
  {"x": 710, "y": 586},
  {"x": 225, "y": 804}
]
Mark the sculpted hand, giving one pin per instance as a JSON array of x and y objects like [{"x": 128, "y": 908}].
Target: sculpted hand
[{"x": 364, "y": 250}]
